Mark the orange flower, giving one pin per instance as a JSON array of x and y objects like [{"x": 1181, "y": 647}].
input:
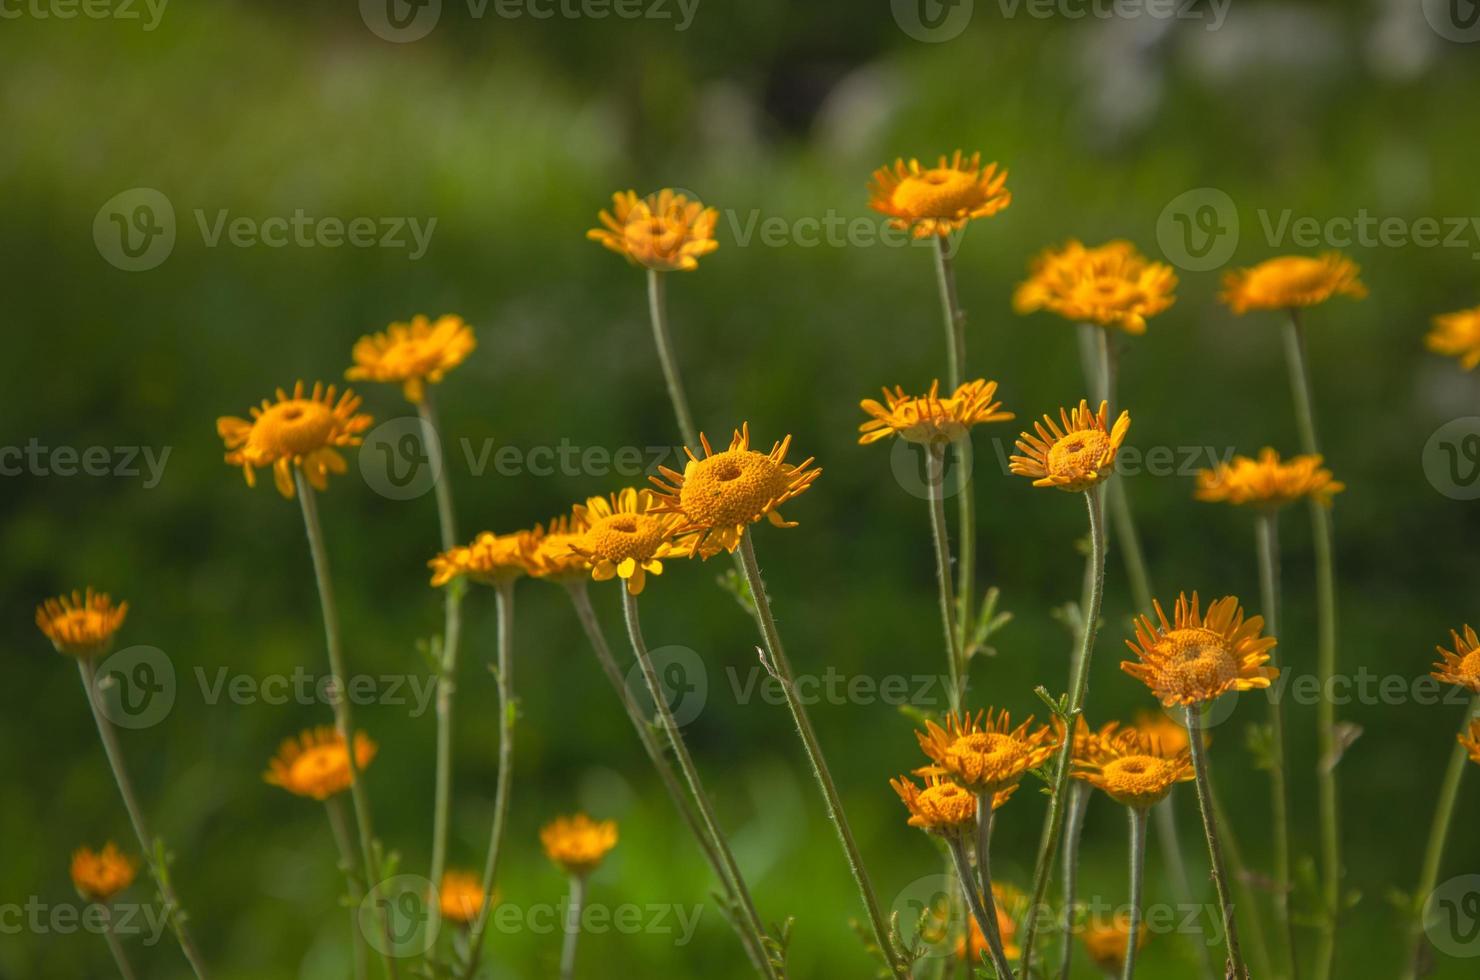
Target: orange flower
[
  {"x": 941, "y": 199},
  {"x": 1194, "y": 659},
  {"x": 83, "y": 624},
  {"x": 316, "y": 764},
  {"x": 414, "y": 354},
  {"x": 99, "y": 875},
  {"x": 985, "y": 753},
  {"x": 1462, "y": 666},
  {"x": 297, "y": 430},
  {"x": 665, "y": 232},
  {"x": 1292, "y": 281},
  {"x": 1075, "y": 455}
]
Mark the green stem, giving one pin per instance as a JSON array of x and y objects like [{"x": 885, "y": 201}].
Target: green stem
[
  {"x": 1115, "y": 490},
  {"x": 936, "y": 461},
  {"x": 120, "y": 958},
  {"x": 955, "y": 322},
  {"x": 1171, "y": 855},
  {"x": 989, "y": 900},
  {"x": 572, "y": 927},
  {"x": 1138, "y": 885},
  {"x": 1073, "y": 830},
  {"x": 780, "y": 668},
  {"x": 1268, "y": 542},
  {"x": 955, "y": 319},
  {"x": 342, "y": 843},
  {"x": 658, "y": 312},
  {"x": 1241, "y": 881},
  {"x": 1235, "y": 967}
]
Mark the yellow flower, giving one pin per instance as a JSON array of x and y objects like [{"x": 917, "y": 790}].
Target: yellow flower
[
  {"x": 577, "y": 844},
  {"x": 316, "y": 765},
  {"x": 1462, "y": 666},
  {"x": 985, "y": 753},
  {"x": 941, "y": 808},
  {"x": 81, "y": 624},
  {"x": 664, "y": 231},
  {"x": 627, "y": 535},
  {"x": 415, "y": 354},
  {"x": 461, "y": 896},
  {"x": 1106, "y": 942},
  {"x": 1194, "y": 659},
  {"x": 554, "y": 556},
  {"x": 718, "y": 495},
  {"x": 938, "y": 200},
  {"x": 1471, "y": 742},
  {"x": 1088, "y": 741},
  {"x": 1292, "y": 281},
  {"x": 491, "y": 559},
  {"x": 1073, "y": 454},
  {"x": 1008, "y": 902},
  {"x": 99, "y": 875},
  {"x": 1457, "y": 335},
  {"x": 929, "y": 418},
  {"x": 295, "y": 431},
  {"x": 1133, "y": 769},
  {"x": 1112, "y": 285},
  {"x": 1268, "y": 482},
  {"x": 1167, "y": 735}
]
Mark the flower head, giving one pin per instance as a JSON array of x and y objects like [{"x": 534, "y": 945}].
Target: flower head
[
  {"x": 985, "y": 753},
  {"x": 1106, "y": 942},
  {"x": 1460, "y": 666},
  {"x": 1457, "y": 335},
  {"x": 928, "y": 418},
  {"x": 81, "y": 624},
  {"x": 553, "y": 556},
  {"x": 1193, "y": 659},
  {"x": 1167, "y": 735},
  {"x": 99, "y": 875},
  {"x": 491, "y": 559},
  {"x": 578, "y": 844},
  {"x": 1112, "y": 285},
  {"x": 1008, "y": 902},
  {"x": 316, "y": 765},
  {"x": 941, "y": 199},
  {"x": 413, "y": 354},
  {"x": 1133, "y": 769},
  {"x": 1292, "y": 281},
  {"x": 1074, "y": 453},
  {"x": 301, "y": 430},
  {"x": 942, "y": 807},
  {"x": 627, "y": 535},
  {"x": 1471, "y": 741},
  {"x": 461, "y": 896},
  {"x": 717, "y": 495},
  {"x": 664, "y": 231},
  {"x": 1268, "y": 481}
]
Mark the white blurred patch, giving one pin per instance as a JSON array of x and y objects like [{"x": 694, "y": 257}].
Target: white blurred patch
[
  {"x": 1400, "y": 45},
  {"x": 1258, "y": 40}
]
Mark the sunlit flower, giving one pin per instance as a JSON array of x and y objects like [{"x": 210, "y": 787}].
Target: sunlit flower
[
  {"x": 554, "y": 556},
  {"x": 942, "y": 807},
  {"x": 627, "y": 535},
  {"x": 1194, "y": 659},
  {"x": 1460, "y": 666},
  {"x": 1008, "y": 901},
  {"x": 664, "y": 231},
  {"x": 928, "y": 418},
  {"x": 1106, "y": 941},
  {"x": 578, "y": 844},
  {"x": 1133, "y": 769},
  {"x": 297, "y": 430},
  {"x": 1268, "y": 481},
  {"x": 316, "y": 765},
  {"x": 1168, "y": 735},
  {"x": 1457, "y": 335},
  {"x": 1471, "y": 741},
  {"x": 985, "y": 753},
  {"x": 461, "y": 896},
  {"x": 1088, "y": 741},
  {"x": 717, "y": 495},
  {"x": 491, "y": 559},
  {"x": 1292, "y": 281},
  {"x": 99, "y": 875},
  {"x": 1074, "y": 453},
  {"x": 1112, "y": 285},
  {"x": 413, "y": 354},
  {"x": 81, "y": 624},
  {"x": 938, "y": 200}
]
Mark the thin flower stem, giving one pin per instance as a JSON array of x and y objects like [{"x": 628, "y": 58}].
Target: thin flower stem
[
  {"x": 1235, "y": 968},
  {"x": 1176, "y": 867},
  {"x": 1267, "y": 533},
  {"x": 984, "y": 921},
  {"x": 984, "y": 871},
  {"x": 573, "y": 907},
  {"x": 153, "y": 853},
  {"x": 780, "y": 667},
  {"x": 1253, "y": 935},
  {"x": 507, "y": 715},
  {"x": 120, "y": 958},
  {"x": 1115, "y": 490},
  {"x": 1049, "y": 843},
  {"x": 1138, "y": 888},
  {"x": 936, "y": 461},
  {"x": 1073, "y": 830},
  {"x": 1433, "y": 857},
  {"x": 658, "y": 312},
  {"x": 342, "y": 842},
  {"x": 955, "y": 320},
  {"x": 690, "y": 771}
]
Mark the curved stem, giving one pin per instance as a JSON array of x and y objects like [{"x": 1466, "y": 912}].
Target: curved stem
[
  {"x": 1235, "y": 969},
  {"x": 658, "y": 313},
  {"x": 1171, "y": 855},
  {"x": 572, "y": 927},
  {"x": 343, "y": 844},
  {"x": 1073, "y": 830},
  {"x": 1269, "y": 586},
  {"x": 936, "y": 461},
  {"x": 984, "y": 921},
  {"x": 989, "y": 900},
  {"x": 120, "y": 958},
  {"x": 1138, "y": 885}
]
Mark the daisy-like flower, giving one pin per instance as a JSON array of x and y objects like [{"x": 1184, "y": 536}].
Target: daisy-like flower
[
  {"x": 928, "y": 418},
  {"x": 718, "y": 495},
  {"x": 974, "y": 948},
  {"x": 1471, "y": 741},
  {"x": 1457, "y": 335},
  {"x": 1167, "y": 735},
  {"x": 1133, "y": 769},
  {"x": 461, "y": 896},
  {"x": 1292, "y": 281},
  {"x": 1193, "y": 659},
  {"x": 1460, "y": 666},
  {"x": 1268, "y": 481},
  {"x": 985, "y": 753},
  {"x": 578, "y": 844},
  {"x": 627, "y": 536},
  {"x": 938, "y": 200},
  {"x": 554, "y": 557},
  {"x": 301, "y": 430},
  {"x": 1088, "y": 741},
  {"x": 82, "y": 624},
  {"x": 665, "y": 231},
  {"x": 491, "y": 559},
  {"x": 99, "y": 875},
  {"x": 316, "y": 765},
  {"x": 413, "y": 354},
  {"x": 1106, "y": 942},
  {"x": 1112, "y": 285},
  {"x": 1074, "y": 453},
  {"x": 942, "y": 807}
]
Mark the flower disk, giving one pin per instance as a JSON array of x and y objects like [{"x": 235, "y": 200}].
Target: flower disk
[
  {"x": 461, "y": 896},
  {"x": 1268, "y": 482},
  {"x": 492, "y": 559},
  {"x": 985, "y": 754},
  {"x": 296, "y": 430},
  {"x": 1462, "y": 665},
  {"x": 941, "y": 808},
  {"x": 1112, "y": 285},
  {"x": 99, "y": 875},
  {"x": 1292, "y": 281},
  {"x": 626, "y": 536},
  {"x": 930, "y": 419},
  {"x": 1133, "y": 769},
  {"x": 578, "y": 844},
  {"x": 938, "y": 200},
  {"x": 316, "y": 764},
  {"x": 1457, "y": 335},
  {"x": 82, "y": 624},
  {"x": 665, "y": 231},
  {"x": 1074, "y": 453},
  {"x": 1194, "y": 659},
  {"x": 413, "y": 354}
]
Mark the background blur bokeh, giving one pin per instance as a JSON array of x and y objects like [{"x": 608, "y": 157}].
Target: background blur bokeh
[{"x": 511, "y": 133}]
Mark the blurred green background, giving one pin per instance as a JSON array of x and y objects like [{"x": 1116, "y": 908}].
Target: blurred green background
[{"x": 512, "y": 133}]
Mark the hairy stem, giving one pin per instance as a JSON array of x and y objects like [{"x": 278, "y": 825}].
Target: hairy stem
[
  {"x": 955, "y": 321},
  {"x": 1073, "y": 830},
  {"x": 984, "y": 871},
  {"x": 1269, "y": 587},
  {"x": 1235, "y": 969},
  {"x": 936, "y": 461},
  {"x": 572, "y": 927},
  {"x": 658, "y": 313},
  {"x": 1176, "y": 867},
  {"x": 1138, "y": 888}
]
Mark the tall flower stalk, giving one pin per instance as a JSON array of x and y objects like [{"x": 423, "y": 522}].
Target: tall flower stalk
[
  {"x": 1236, "y": 970},
  {"x": 1138, "y": 820},
  {"x": 1268, "y": 546},
  {"x": 344, "y": 844},
  {"x": 955, "y": 321}
]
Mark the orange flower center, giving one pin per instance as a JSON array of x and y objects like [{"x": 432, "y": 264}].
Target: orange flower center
[
  {"x": 1296, "y": 274},
  {"x": 731, "y": 488},
  {"x": 937, "y": 193},
  {"x": 1078, "y": 452},
  {"x": 621, "y": 536},
  {"x": 295, "y": 427},
  {"x": 947, "y": 803},
  {"x": 320, "y": 766},
  {"x": 1469, "y": 666},
  {"x": 1198, "y": 660},
  {"x": 1137, "y": 778}
]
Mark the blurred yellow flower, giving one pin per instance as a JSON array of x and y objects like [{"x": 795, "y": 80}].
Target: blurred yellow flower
[
  {"x": 82, "y": 624},
  {"x": 461, "y": 896},
  {"x": 985, "y": 753},
  {"x": 928, "y": 418},
  {"x": 1133, "y": 769},
  {"x": 938, "y": 200},
  {"x": 414, "y": 354},
  {"x": 296, "y": 430},
  {"x": 578, "y": 844},
  {"x": 1106, "y": 942},
  {"x": 1007, "y": 901},
  {"x": 1193, "y": 659},
  {"x": 1074, "y": 453},
  {"x": 627, "y": 536},
  {"x": 1457, "y": 335},
  {"x": 1292, "y": 281},
  {"x": 1462, "y": 665},
  {"x": 316, "y": 764},
  {"x": 1111, "y": 285},
  {"x": 664, "y": 231},
  {"x": 491, "y": 559},
  {"x": 554, "y": 557},
  {"x": 99, "y": 875},
  {"x": 1267, "y": 481},
  {"x": 1471, "y": 741}
]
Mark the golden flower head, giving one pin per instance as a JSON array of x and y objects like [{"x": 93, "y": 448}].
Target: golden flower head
[
  {"x": 1471, "y": 740},
  {"x": 1168, "y": 735},
  {"x": 718, "y": 495},
  {"x": 1292, "y": 281},
  {"x": 461, "y": 896},
  {"x": 99, "y": 875},
  {"x": 1074, "y": 453},
  {"x": 1008, "y": 902},
  {"x": 297, "y": 430},
  {"x": 928, "y": 418},
  {"x": 627, "y": 535},
  {"x": 942, "y": 807},
  {"x": 577, "y": 844},
  {"x": 941, "y": 199},
  {"x": 1112, "y": 285},
  {"x": 81, "y": 624},
  {"x": 985, "y": 753},
  {"x": 413, "y": 354},
  {"x": 1194, "y": 659},
  {"x": 664, "y": 231},
  {"x": 491, "y": 559},
  {"x": 553, "y": 556},
  {"x": 1268, "y": 481},
  {"x": 1457, "y": 335},
  {"x": 1088, "y": 742},
  {"x": 1133, "y": 768},
  {"x": 1106, "y": 941},
  {"x": 1460, "y": 666},
  {"x": 316, "y": 765}
]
